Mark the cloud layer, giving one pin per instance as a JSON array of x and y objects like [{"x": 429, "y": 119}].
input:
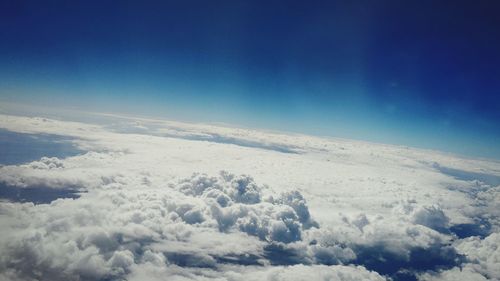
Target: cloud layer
[{"x": 146, "y": 206}]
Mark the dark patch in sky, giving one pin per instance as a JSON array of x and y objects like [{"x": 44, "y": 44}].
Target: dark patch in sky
[
  {"x": 481, "y": 228},
  {"x": 18, "y": 148},
  {"x": 279, "y": 254},
  {"x": 491, "y": 180},
  {"x": 240, "y": 142},
  {"x": 36, "y": 195},
  {"x": 190, "y": 260},
  {"x": 435, "y": 257},
  {"x": 244, "y": 259},
  {"x": 209, "y": 137}
]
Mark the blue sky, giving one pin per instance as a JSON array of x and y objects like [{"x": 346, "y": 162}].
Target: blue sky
[{"x": 418, "y": 73}]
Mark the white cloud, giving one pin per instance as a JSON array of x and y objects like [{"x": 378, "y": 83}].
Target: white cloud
[
  {"x": 156, "y": 206},
  {"x": 276, "y": 273},
  {"x": 104, "y": 233},
  {"x": 483, "y": 255},
  {"x": 456, "y": 273}
]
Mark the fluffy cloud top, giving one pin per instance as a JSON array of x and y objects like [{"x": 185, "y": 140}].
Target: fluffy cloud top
[{"x": 199, "y": 222}]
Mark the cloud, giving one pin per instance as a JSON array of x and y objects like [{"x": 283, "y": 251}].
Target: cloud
[
  {"x": 199, "y": 222},
  {"x": 47, "y": 163},
  {"x": 340, "y": 209},
  {"x": 276, "y": 273},
  {"x": 385, "y": 245},
  {"x": 432, "y": 217},
  {"x": 483, "y": 255},
  {"x": 456, "y": 273},
  {"x": 106, "y": 233},
  {"x": 237, "y": 203}
]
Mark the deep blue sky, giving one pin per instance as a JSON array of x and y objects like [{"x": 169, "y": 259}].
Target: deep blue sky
[{"x": 419, "y": 73}]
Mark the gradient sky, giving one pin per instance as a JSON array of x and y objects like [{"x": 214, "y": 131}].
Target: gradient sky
[{"x": 418, "y": 73}]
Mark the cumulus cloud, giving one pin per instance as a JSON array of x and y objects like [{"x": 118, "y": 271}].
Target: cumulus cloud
[
  {"x": 431, "y": 216},
  {"x": 388, "y": 246},
  {"x": 47, "y": 163},
  {"x": 238, "y": 203},
  {"x": 483, "y": 255},
  {"x": 199, "y": 222}
]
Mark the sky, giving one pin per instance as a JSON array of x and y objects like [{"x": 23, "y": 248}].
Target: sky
[{"x": 417, "y": 73}]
